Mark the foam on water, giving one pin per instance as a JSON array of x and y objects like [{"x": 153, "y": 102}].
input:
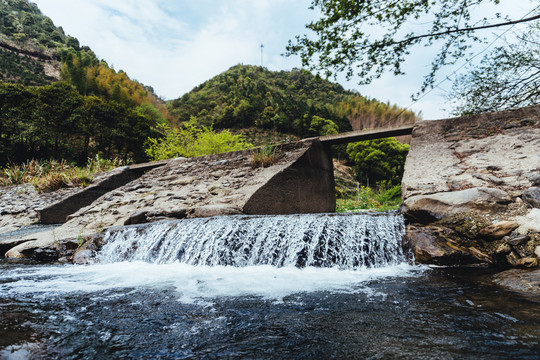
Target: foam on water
[{"x": 193, "y": 283}]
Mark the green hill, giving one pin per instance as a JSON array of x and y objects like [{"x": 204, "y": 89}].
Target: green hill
[{"x": 290, "y": 102}]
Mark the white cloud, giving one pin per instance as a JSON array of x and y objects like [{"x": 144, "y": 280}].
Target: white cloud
[{"x": 175, "y": 45}]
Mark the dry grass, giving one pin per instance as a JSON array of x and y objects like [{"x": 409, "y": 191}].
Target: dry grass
[
  {"x": 52, "y": 175},
  {"x": 264, "y": 156}
]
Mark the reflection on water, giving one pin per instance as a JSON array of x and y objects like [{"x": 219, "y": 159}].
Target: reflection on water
[{"x": 402, "y": 312}]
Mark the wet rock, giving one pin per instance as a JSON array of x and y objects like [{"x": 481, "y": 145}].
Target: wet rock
[
  {"x": 432, "y": 246},
  {"x": 519, "y": 240},
  {"x": 526, "y": 282},
  {"x": 498, "y": 230},
  {"x": 83, "y": 257},
  {"x": 532, "y": 197},
  {"x": 528, "y": 262}
]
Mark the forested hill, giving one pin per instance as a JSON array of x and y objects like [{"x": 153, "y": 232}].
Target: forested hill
[
  {"x": 295, "y": 102},
  {"x": 59, "y": 101},
  {"x": 33, "y": 51}
]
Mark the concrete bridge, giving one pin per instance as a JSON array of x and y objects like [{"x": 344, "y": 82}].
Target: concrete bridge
[{"x": 361, "y": 135}]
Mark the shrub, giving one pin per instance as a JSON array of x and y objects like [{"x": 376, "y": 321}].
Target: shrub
[{"x": 190, "y": 140}]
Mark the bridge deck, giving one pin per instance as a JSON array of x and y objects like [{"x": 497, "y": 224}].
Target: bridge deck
[{"x": 360, "y": 135}]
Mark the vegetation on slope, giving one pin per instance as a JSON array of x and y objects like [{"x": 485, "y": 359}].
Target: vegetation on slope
[
  {"x": 290, "y": 102},
  {"x": 94, "y": 110},
  {"x": 52, "y": 175}
]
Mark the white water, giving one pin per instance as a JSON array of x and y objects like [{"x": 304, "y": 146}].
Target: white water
[
  {"x": 192, "y": 283},
  {"x": 351, "y": 241},
  {"x": 269, "y": 257}
]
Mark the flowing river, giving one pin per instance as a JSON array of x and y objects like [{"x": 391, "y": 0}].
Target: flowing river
[{"x": 260, "y": 287}]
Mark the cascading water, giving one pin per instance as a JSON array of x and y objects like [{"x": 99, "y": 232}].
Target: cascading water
[{"x": 344, "y": 241}]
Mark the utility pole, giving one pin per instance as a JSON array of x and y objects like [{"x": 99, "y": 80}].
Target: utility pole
[{"x": 262, "y": 47}]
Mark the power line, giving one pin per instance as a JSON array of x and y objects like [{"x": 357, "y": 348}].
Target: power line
[{"x": 447, "y": 77}]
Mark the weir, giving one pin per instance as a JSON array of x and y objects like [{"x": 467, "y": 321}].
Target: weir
[{"x": 344, "y": 241}]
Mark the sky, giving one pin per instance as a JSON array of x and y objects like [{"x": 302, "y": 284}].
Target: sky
[{"x": 175, "y": 45}]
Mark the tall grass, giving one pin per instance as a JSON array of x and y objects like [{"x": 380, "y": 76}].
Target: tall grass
[
  {"x": 52, "y": 174},
  {"x": 264, "y": 156}
]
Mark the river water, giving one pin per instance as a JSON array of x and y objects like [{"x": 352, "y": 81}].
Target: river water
[{"x": 334, "y": 286}]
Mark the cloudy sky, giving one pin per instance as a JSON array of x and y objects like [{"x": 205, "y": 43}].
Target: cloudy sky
[{"x": 174, "y": 45}]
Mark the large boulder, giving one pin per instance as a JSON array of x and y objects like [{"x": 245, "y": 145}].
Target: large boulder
[
  {"x": 433, "y": 207},
  {"x": 468, "y": 188}
]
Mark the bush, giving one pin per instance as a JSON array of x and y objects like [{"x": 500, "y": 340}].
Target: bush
[
  {"x": 366, "y": 198},
  {"x": 190, "y": 140},
  {"x": 52, "y": 175},
  {"x": 378, "y": 160},
  {"x": 264, "y": 156}
]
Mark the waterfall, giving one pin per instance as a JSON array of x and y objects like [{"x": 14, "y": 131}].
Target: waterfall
[{"x": 344, "y": 241}]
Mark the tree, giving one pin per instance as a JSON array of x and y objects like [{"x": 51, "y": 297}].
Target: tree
[
  {"x": 507, "y": 77},
  {"x": 369, "y": 37},
  {"x": 378, "y": 160},
  {"x": 321, "y": 126}
]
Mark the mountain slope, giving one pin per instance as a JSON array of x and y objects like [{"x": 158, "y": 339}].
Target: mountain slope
[{"x": 295, "y": 102}]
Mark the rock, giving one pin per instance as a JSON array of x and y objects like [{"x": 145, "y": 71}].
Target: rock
[
  {"x": 526, "y": 282},
  {"x": 214, "y": 210},
  {"x": 512, "y": 258},
  {"x": 529, "y": 222},
  {"x": 528, "y": 262},
  {"x": 83, "y": 257},
  {"x": 518, "y": 240},
  {"x": 137, "y": 218},
  {"x": 498, "y": 230},
  {"x": 433, "y": 207},
  {"x": 532, "y": 197},
  {"x": 537, "y": 251},
  {"x": 429, "y": 246},
  {"x": 534, "y": 178},
  {"x": 503, "y": 249}
]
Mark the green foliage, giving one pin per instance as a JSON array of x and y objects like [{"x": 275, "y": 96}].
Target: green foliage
[
  {"x": 55, "y": 121},
  {"x": 22, "y": 22},
  {"x": 251, "y": 96},
  {"x": 23, "y": 69},
  {"x": 507, "y": 77},
  {"x": 322, "y": 127},
  {"x": 366, "y": 198},
  {"x": 378, "y": 160},
  {"x": 370, "y": 38},
  {"x": 189, "y": 140}
]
